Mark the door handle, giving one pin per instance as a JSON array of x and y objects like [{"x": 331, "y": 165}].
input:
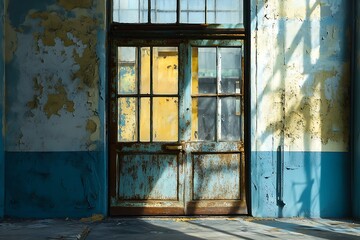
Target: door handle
[{"x": 174, "y": 147}]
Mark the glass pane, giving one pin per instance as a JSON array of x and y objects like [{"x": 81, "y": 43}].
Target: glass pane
[
  {"x": 230, "y": 70},
  {"x": 127, "y": 70},
  {"x": 192, "y": 11},
  {"x": 230, "y": 119},
  {"x": 130, "y": 11},
  {"x": 165, "y": 119},
  {"x": 203, "y": 119},
  {"x": 225, "y": 11},
  {"x": 165, "y": 70},
  {"x": 145, "y": 119},
  {"x": 127, "y": 129},
  {"x": 145, "y": 70},
  {"x": 163, "y": 11},
  {"x": 205, "y": 69}
]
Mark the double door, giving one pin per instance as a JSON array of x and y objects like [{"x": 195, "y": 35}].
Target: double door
[{"x": 177, "y": 128}]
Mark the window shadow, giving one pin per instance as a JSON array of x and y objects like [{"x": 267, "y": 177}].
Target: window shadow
[{"x": 321, "y": 230}]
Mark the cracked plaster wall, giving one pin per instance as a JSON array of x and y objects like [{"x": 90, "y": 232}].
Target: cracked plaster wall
[
  {"x": 55, "y": 60},
  {"x": 300, "y": 90}
]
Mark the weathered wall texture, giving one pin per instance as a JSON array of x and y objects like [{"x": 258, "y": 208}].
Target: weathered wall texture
[
  {"x": 55, "y": 85},
  {"x": 356, "y": 91},
  {"x": 53, "y": 61},
  {"x": 302, "y": 74},
  {"x": 2, "y": 100},
  {"x": 300, "y": 100}
]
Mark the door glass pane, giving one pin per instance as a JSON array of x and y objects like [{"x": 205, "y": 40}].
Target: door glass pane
[
  {"x": 127, "y": 70},
  {"x": 230, "y": 119},
  {"x": 204, "y": 70},
  {"x": 163, "y": 11},
  {"x": 127, "y": 129},
  {"x": 225, "y": 11},
  {"x": 165, "y": 70},
  {"x": 130, "y": 11},
  {"x": 203, "y": 119},
  {"x": 192, "y": 11},
  {"x": 145, "y": 70},
  {"x": 144, "y": 119},
  {"x": 230, "y": 70},
  {"x": 165, "y": 119}
]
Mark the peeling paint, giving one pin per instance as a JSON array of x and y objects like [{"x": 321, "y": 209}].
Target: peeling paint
[
  {"x": 82, "y": 30},
  {"x": 58, "y": 101},
  {"x": 56, "y": 44},
  {"x": 91, "y": 126}
]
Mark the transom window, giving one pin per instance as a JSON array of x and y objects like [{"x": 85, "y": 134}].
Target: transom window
[{"x": 179, "y": 11}]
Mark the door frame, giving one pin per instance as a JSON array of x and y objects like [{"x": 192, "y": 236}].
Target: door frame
[{"x": 114, "y": 145}]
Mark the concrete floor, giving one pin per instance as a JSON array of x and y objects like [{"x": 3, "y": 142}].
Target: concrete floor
[{"x": 180, "y": 228}]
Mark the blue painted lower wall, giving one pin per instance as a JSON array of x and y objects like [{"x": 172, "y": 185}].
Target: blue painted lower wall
[
  {"x": 74, "y": 184},
  {"x": 315, "y": 184},
  {"x": 55, "y": 184}
]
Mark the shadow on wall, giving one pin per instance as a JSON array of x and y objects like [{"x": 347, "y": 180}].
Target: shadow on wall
[{"x": 307, "y": 77}]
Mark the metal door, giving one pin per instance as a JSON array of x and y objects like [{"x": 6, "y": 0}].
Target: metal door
[{"x": 176, "y": 127}]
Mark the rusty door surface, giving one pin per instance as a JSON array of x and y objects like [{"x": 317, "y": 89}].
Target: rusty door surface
[{"x": 176, "y": 126}]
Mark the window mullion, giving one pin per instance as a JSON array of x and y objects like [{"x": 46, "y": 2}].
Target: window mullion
[
  {"x": 138, "y": 92},
  {"x": 218, "y": 102},
  {"x": 206, "y": 1},
  {"x": 177, "y": 11},
  {"x": 149, "y": 11},
  {"x": 151, "y": 94}
]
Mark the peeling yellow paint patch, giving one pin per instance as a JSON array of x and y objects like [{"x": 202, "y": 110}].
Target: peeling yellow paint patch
[
  {"x": 53, "y": 28},
  {"x": 34, "y": 103},
  {"x": 71, "y": 4},
  {"x": 56, "y": 102},
  {"x": 91, "y": 126}
]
